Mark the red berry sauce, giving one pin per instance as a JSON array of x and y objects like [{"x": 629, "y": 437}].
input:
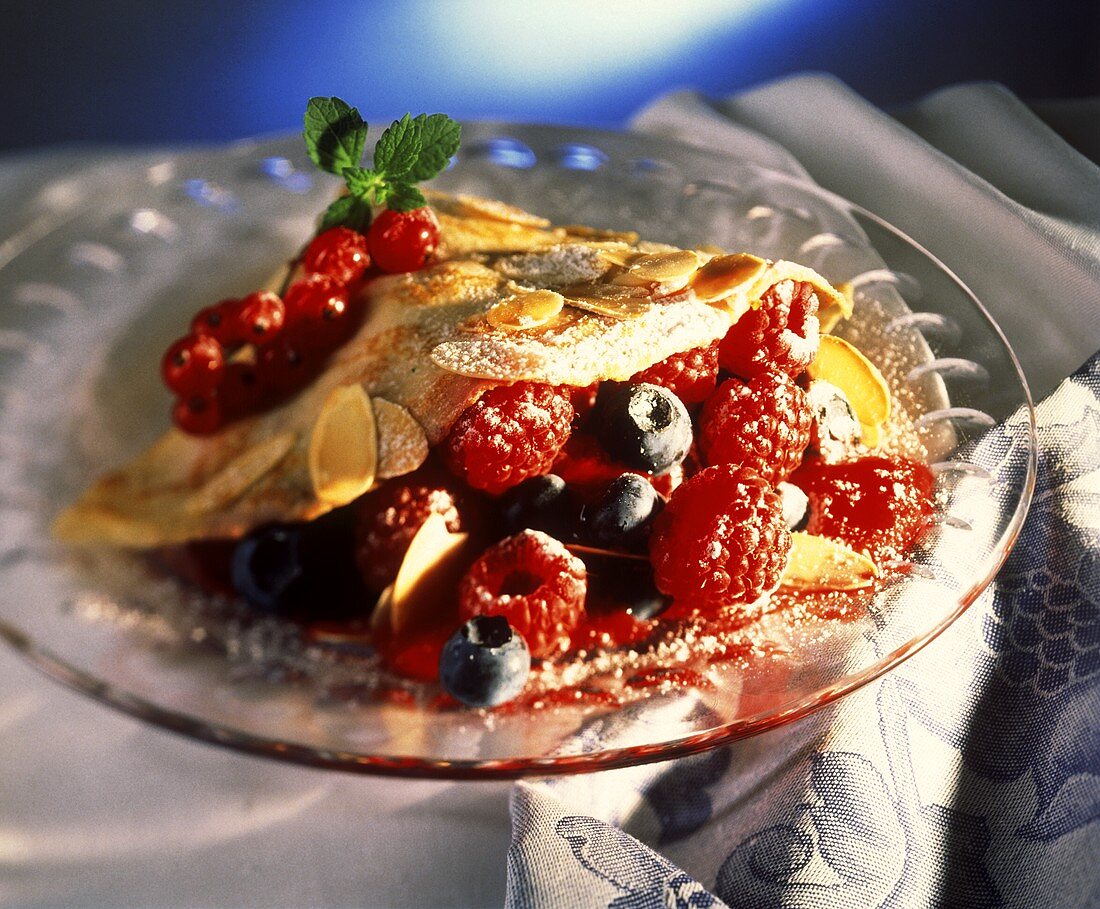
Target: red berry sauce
[{"x": 877, "y": 505}]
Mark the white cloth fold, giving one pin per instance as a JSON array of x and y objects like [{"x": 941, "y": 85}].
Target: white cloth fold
[{"x": 1028, "y": 248}]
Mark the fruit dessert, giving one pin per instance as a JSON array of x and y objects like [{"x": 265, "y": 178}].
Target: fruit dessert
[{"x": 518, "y": 463}]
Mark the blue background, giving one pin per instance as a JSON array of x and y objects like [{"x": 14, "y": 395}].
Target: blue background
[{"x": 149, "y": 72}]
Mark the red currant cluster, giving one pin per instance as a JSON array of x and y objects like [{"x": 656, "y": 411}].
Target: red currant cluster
[{"x": 245, "y": 355}]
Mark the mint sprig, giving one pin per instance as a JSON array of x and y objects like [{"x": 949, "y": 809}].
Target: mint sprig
[{"x": 409, "y": 151}]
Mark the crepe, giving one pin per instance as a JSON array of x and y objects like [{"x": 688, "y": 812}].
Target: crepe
[{"x": 510, "y": 298}]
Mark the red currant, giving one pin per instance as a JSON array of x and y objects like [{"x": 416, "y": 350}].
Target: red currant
[
  {"x": 241, "y": 391},
  {"x": 403, "y": 240},
  {"x": 339, "y": 253},
  {"x": 260, "y": 317},
  {"x": 218, "y": 322},
  {"x": 194, "y": 365},
  {"x": 284, "y": 367},
  {"x": 314, "y": 298},
  {"x": 198, "y": 415}
]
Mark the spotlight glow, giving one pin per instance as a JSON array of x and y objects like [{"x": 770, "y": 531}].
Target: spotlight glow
[{"x": 543, "y": 48}]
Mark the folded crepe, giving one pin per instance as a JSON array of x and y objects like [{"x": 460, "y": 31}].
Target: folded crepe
[{"x": 509, "y": 298}]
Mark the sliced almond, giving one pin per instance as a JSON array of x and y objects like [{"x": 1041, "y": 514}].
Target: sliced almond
[
  {"x": 841, "y": 364},
  {"x": 723, "y": 275},
  {"x": 402, "y": 445},
  {"x": 478, "y": 207},
  {"x": 431, "y": 564},
  {"x": 833, "y": 309},
  {"x": 709, "y": 249},
  {"x": 383, "y": 611},
  {"x": 618, "y": 254},
  {"x": 818, "y": 563},
  {"x": 609, "y": 300},
  {"x": 231, "y": 482},
  {"x": 649, "y": 246},
  {"x": 525, "y": 309},
  {"x": 671, "y": 268},
  {"x": 870, "y": 434},
  {"x": 582, "y": 550},
  {"x": 343, "y": 449},
  {"x": 597, "y": 233}
]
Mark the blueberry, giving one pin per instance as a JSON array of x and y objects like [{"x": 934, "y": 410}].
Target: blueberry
[
  {"x": 645, "y": 427},
  {"x": 485, "y": 662},
  {"x": 617, "y": 584},
  {"x": 836, "y": 429},
  {"x": 795, "y": 504},
  {"x": 620, "y": 517},
  {"x": 539, "y": 503},
  {"x": 301, "y": 571},
  {"x": 268, "y": 568}
]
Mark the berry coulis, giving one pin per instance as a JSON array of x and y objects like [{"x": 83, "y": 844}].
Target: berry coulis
[{"x": 877, "y": 505}]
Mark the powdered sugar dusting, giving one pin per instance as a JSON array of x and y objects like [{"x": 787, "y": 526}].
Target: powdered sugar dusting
[
  {"x": 587, "y": 348},
  {"x": 569, "y": 263}
]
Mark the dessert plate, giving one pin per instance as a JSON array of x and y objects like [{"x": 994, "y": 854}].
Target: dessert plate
[{"x": 98, "y": 282}]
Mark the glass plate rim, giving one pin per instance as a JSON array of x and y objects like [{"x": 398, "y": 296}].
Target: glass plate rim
[{"x": 190, "y": 727}]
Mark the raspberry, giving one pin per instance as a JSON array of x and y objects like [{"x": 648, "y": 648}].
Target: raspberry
[
  {"x": 389, "y": 518},
  {"x": 691, "y": 375},
  {"x": 535, "y": 583},
  {"x": 763, "y": 424},
  {"x": 340, "y": 253},
  {"x": 403, "y": 240},
  {"x": 781, "y": 335},
  {"x": 510, "y": 433},
  {"x": 720, "y": 540}
]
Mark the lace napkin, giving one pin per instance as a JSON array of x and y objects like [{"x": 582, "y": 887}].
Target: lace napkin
[{"x": 969, "y": 776}]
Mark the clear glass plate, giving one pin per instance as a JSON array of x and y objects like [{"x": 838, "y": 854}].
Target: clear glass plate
[{"x": 110, "y": 265}]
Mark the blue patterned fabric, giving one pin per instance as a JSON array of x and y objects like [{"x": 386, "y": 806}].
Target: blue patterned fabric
[{"x": 967, "y": 777}]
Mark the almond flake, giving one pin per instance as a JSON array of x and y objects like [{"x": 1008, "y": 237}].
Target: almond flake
[
  {"x": 619, "y": 255},
  {"x": 843, "y": 365},
  {"x": 431, "y": 566},
  {"x": 477, "y": 207},
  {"x": 582, "y": 550},
  {"x": 818, "y": 563},
  {"x": 343, "y": 448},
  {"x": 833, "y": 309},
  {"x": 722, "y": 275},
  {"x": 597, "y": 233},
  {"x": 382, "y": 616},
  {"x": 672, "y": 268},
  {"x": 525, "y": 309},
  {"x": 231, "y": 482},
  {"x": 609, "y": 300},
  {"x": 402, "y": 445}
]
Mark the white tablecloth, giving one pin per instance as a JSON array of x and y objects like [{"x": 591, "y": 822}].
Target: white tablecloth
[{"x": 98, "y": 810}]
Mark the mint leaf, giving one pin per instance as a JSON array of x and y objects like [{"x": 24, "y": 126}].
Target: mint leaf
[
  {"x": 347, "y": 211},
  {"x": 335, "y": 134},
  {"x": 399, "y": 148},
  {"x": 404, "y": 197},
  {"x": 439, "y": 140},
  {"x": 362, "y": 181}
]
